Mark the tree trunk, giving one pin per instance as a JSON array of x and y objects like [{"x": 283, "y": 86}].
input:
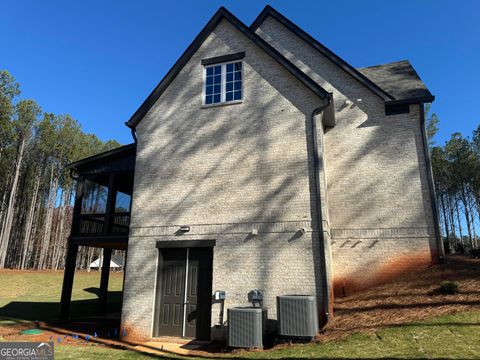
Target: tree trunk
[
  {"x": 47, "y": 231},
  {"x": 445, "y": 220},
  {"x": 5, "y": 235},
  {"x": 452, "y": 220},
  {"x": 459, "y": 226},
  {"x": 29, "y": 223},
  {"x": 467, "y": 214}
]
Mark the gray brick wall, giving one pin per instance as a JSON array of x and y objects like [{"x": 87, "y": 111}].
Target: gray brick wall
[
  {"x": 379, "y": 210},
  {"x": 225, "y": 171},
  {"x": 230, "y": 169}
]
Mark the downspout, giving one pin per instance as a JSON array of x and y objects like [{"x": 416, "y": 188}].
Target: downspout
[
  {"x": 321, "y": 239},
  {"x": 134, "y": 134},
  {"x": 431, "y": 186}
]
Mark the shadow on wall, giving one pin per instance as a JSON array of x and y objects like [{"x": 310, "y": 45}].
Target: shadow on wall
[
  {"x": 245, "y": 139},
  {"x": 231, "y": 144},
  {"x": 376, "y": 141},
  {"x": 391, "y": 174}
]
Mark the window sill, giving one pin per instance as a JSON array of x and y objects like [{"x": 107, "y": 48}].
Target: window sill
[{"x": 207, "y": 106}]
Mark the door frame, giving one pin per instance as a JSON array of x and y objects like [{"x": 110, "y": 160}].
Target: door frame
[{"x": 176, "y": 244}]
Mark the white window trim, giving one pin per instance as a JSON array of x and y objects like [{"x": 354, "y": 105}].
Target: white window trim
[{"x": 223, "y": 84}]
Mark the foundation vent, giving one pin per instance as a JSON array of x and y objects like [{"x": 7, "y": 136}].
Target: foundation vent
[
  {"x": 297, "y": 316},
  {"x": 246, "y": 326}
]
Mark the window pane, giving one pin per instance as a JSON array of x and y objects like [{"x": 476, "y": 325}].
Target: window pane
[
  {"x": 94, "y": 198},
  {"x": 237, "y": 95},
  {"x": 122, "y": 202},
  {"x": 214, "y": 91}
]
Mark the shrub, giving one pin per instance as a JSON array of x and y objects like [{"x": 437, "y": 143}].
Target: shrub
[{"x": 449, "y": 287}]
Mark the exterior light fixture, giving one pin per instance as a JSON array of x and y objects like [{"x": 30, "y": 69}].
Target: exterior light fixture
[{"x": 184, "y": 228}]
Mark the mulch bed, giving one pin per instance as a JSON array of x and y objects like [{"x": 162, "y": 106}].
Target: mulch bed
[{"x": 408, "y": 299}]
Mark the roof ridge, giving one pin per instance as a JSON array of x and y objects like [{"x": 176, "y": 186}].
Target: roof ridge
[
  {"x": 383, "y": 64},
  {"x": 269, "y": 10},
  {"x": 220, "y": 14}
]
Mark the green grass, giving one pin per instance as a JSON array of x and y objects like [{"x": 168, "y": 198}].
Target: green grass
[
  {"x": 451, "y": 337},
  {"x": 35, "y": 296},
  {"x": 448, "y": 337},
  {"x": 27, "y": 296}
]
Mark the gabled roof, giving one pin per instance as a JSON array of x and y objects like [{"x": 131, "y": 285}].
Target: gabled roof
[
  {"x": 400, "y": 79},
  {"x": 221, "y": 14},
  {"x": 269, "y": 11}
]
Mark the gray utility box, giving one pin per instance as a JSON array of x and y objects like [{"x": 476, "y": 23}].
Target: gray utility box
[
  {"x": 297, "y": 316},
  {"x": 246, "y": 327}
]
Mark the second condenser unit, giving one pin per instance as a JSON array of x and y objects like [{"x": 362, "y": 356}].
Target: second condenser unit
[{"x": 297, "y": 316}]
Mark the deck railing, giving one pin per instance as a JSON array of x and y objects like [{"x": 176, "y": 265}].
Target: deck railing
[{"x": 94, "y": 224}]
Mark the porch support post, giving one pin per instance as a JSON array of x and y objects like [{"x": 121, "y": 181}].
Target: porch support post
[
  {"x": 102, "y": 297},
  {"x": 71, "y": 256},
  {"x": 70, "y": 265}
]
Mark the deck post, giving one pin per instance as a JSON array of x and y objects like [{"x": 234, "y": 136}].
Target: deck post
[
  {"x": 103, "y": 294},
  {"x": 70, "y": 265},
  {"x": 71, "y": 256}
]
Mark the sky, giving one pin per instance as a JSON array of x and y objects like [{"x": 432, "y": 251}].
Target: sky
[{"x": 99, "y": 60}]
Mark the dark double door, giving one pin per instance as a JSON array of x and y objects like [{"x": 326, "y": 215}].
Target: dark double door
[{"x": 184, "y": 291}]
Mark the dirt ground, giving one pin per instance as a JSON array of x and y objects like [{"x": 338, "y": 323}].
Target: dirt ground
[{"x": 408, "y": 299}]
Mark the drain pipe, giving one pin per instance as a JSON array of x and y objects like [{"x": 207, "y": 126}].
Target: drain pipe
[
  {"x": 321, "y": 239},
  {"x": 134, "y": 134}
]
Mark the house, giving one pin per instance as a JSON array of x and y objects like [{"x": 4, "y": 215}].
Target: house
[
  {"x": 262, "y": 161},
  {"x": 116, "y": 262}
]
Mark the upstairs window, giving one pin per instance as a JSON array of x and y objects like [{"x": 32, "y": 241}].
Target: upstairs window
[{"x": 223, "y": 83}]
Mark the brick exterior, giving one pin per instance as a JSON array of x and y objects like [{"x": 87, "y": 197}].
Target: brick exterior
[
  {"x": 380, "y": 214},
  {"x": 226, "y": 170}
]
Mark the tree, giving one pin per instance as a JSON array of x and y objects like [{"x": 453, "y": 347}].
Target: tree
[
  {"x": 36, "y": 191},
  {"x": 27, "y": 112},
  {"x": 431, "y": 125}
]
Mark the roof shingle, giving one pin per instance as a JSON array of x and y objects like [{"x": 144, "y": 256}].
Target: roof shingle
[{"x": 399, "y": 79}]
